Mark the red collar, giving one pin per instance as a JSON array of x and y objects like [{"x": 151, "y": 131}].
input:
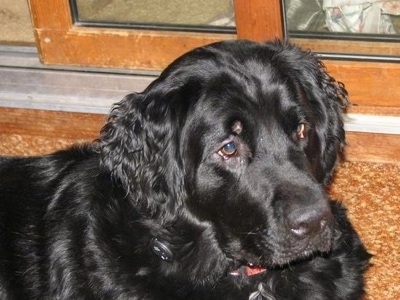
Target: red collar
[{"x": 248, "y": 271}]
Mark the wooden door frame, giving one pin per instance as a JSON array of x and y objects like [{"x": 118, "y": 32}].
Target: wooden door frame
[{"x": 61, "y": 42}]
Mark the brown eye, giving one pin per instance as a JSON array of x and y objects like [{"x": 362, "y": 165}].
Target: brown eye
[
  {"x": 301, "y": 131},
  {"x": 228, "y": 150}
]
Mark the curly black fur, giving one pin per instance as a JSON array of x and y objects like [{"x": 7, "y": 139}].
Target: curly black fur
[{"x": 223, "y": 160}]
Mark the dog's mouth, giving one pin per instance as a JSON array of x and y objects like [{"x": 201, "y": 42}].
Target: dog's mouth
[
  {"x": 247, "y": 265},
  {"x": 286, "y": 257},
  {"x": 247, "y": 271}
]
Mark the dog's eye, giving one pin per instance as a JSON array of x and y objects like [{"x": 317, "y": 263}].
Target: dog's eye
[
  {"x": 228, "y": 150},
  {"x": 301, "y": 131}
]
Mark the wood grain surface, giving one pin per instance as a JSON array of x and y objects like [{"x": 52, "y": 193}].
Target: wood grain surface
[{"x": 72, "y": 127}]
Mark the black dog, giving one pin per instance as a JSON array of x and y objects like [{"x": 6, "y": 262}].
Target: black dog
[{"x": 208, "y": 185}]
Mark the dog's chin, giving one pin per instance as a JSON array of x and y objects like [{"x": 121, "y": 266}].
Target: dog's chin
[
  {"x": 300, "y": 252},
  {"x": 279, "y": 257},
  {"x": 280, "y": 261}
]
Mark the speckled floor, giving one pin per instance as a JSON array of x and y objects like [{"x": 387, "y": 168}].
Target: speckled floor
[
  {"x": 371, "y": 193},
  {"x": 369, "y": 190}
]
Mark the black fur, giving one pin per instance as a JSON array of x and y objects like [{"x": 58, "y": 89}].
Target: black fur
[{"x": 223, "y": 159}]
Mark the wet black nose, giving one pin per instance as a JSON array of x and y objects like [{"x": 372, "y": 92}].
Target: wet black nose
[{"x": 309, "y": 221}]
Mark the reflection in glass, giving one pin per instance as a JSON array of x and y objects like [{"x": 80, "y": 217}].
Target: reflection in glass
[
  {"x": 205, "y": 15},
  {"x": 378, "y": 17}
]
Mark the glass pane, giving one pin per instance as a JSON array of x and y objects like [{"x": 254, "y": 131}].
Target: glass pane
[
  {"x": 193, "y": 15},
  {"x": 359, "y": 19},
  {"x": 15, "y": 23}
]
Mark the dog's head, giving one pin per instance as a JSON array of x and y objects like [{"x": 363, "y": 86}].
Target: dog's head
[{"x": 239, "y": 135}]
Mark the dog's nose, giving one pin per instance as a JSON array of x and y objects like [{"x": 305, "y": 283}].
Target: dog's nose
[{"x": 309, "y": 221}]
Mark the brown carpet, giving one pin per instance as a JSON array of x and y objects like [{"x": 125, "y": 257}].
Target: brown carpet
[
  {"x": 371, "y": 194},
  {"x": 369, "y": 190}
]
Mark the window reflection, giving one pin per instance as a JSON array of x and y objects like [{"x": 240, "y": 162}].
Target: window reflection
[
  {"x": 377, "y": 17},
  {"x": 206, "y": 15}
]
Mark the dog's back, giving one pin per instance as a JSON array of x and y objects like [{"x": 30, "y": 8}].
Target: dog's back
[{"x": 31, "y": 209}]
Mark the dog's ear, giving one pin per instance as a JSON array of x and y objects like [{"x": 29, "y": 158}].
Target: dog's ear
[
  {"x": 329, "y": 101},
  {"x": 327, "y": 98},
  {"x": 139, "y": 146}
]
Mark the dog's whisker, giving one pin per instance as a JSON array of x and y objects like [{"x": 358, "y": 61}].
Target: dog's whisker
[{"x": 247, "y": 233}]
